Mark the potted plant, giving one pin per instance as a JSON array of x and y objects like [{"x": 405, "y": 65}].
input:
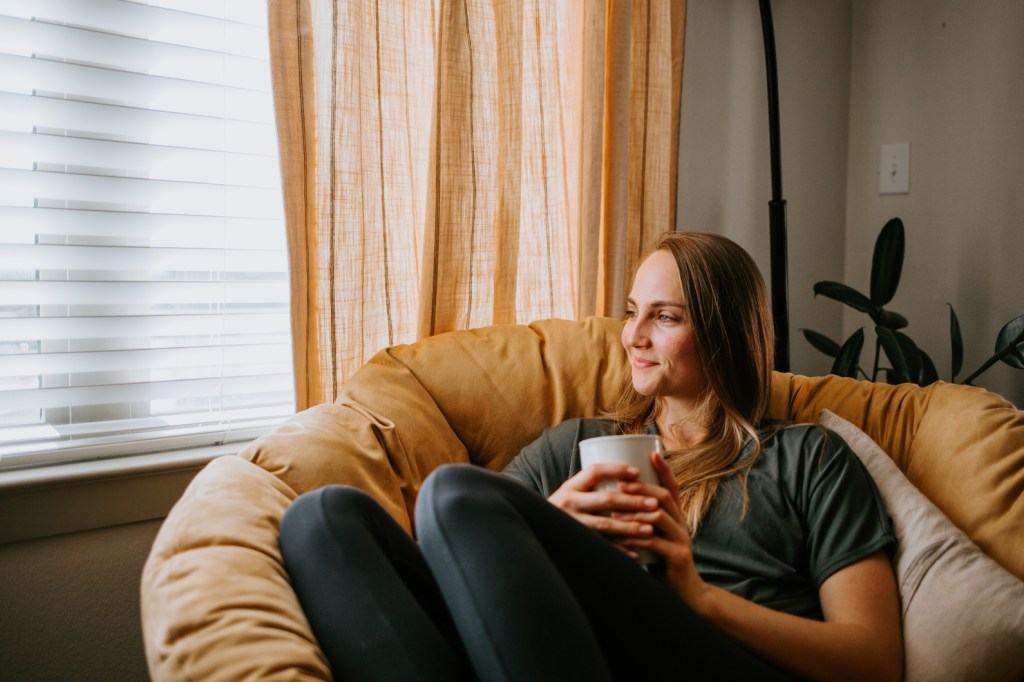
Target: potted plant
[{"x": 907, "y": 362}]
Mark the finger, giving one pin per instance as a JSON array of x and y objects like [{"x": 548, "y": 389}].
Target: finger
[
  {"x": 661, "y": 468},
  {"x": 669, "y": 482},
  {"x": 589, "y": 477},
  {"x": 668, "y": 527},
  {"x": 644, "y": 488},
  {"x": 657, "y": 542},
  {"x": 615, "y": 527},
  {"x": 640, "y": 517},
  {"x": 656, "y": 545},
  {"x": 667, "y": 499},
  {"x": 612, "y": 501},
  {"x": 601, "y": 502}
]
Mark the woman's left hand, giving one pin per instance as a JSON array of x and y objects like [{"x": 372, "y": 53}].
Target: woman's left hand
[{"x": 672, "y": 541}]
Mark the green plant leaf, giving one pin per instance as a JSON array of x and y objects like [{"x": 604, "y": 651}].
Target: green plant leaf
[
  {"x": 1012, "y": 334},
  {"x": 887, "y": 339},
  {"x": 887, "y": 262},
  {"x": 892, "y": 320},
  {"x": 929, "y": 375},
  {"x": 847, "y": 295},
  {"x": 913, "y": 355},
  {"x": 821, "y": 342},
  {"x": 902, "y": 353},
  {"x": 894, "y": 377},
  {"x": 1009, "y": 348},
  {"x": 848, "y": 358},
  {"x": 956, "y": 343}
]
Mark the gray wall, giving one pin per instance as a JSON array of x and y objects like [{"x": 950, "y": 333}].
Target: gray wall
[
  {"x": 942, "y": 75},
  {"x": 72, "y": 545},
  {"x": 70, "y": 606},
  {"x": 945, "y": 76}
]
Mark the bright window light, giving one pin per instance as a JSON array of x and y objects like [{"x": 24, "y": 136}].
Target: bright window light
[{"x": 143, "y": 270}]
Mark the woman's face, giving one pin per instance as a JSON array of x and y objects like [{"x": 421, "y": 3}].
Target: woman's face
[{"x": 658, "y": 336}]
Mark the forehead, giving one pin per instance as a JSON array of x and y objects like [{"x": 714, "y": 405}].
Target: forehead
[{"x": 657, "y": 279}]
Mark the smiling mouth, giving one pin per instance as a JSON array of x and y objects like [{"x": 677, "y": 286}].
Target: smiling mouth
[{"x": 643, "y": 364}]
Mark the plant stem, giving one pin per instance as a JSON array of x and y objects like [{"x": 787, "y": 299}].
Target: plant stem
[
  {"x": 878, "y": 349},
  {"x": 1009, "y": 348}
]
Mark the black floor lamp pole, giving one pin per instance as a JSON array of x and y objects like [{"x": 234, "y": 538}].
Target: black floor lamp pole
[{"x": 777, "y": 205}]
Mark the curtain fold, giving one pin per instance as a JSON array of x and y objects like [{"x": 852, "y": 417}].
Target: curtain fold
[{"x": 451, "y": 164}]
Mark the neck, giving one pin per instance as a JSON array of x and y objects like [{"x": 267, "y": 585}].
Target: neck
[{"x": 680, "y": 425}]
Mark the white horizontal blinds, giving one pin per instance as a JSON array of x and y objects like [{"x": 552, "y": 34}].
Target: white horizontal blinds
[{"x": 143, "y": 275}]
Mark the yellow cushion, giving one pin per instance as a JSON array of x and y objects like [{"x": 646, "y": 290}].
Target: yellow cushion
[
  {"x": 384, "y": 434},
  {"x": 216, "y": 602},
  {"x": 499, "y": 387}
]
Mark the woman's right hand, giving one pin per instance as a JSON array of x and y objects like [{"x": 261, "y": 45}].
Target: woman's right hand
[{"x": 603, "y": 510}]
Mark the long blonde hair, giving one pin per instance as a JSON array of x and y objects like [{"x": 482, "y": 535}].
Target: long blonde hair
[{"x": 732, "y": 323}]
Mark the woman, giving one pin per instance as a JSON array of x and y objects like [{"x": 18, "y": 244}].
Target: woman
[{"x": 773, "y": 540}]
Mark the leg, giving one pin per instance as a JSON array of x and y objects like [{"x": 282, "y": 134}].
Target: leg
[
  {"x": 538, "y": 596},
  {"x": 366, "y": 590}
]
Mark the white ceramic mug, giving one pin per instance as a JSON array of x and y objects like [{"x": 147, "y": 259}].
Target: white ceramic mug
[{"x": 631, "y": 449}]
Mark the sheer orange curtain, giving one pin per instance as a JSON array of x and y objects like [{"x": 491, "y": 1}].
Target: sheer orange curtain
[{"x": 450, "y": 164}]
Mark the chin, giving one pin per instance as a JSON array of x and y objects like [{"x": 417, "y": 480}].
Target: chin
[{"x": 644, "y": 389}]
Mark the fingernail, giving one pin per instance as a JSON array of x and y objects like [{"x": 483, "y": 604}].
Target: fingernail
[
  {"x": 650, "y": 502},
  {"x": 647, "y": 529}
]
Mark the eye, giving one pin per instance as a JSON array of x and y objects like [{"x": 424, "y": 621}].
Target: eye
[
  {"x": 665, "y": 317},
  {"x": 630, "y": 313}
]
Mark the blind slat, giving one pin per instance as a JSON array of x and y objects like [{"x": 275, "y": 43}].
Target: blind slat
[
  {"x": 158, "y": 329},
  {"x": 28, "y": 37},
  {"x": 23, "y": 150},
  {"x": 192, "y": 423},
  {"x": 153, "y": 294},
  {"x": 215, "y": 358},
  {"x": 240, "y": 389},
  {"x": 129, "y": 258},
  {"x": 23, "y": 112},
  {"x": 201, "y": 26},
  {"x": 62, "y": 80},
  {"x": 56, "y": 453},
  {"x": 137, "y": 194},
  {"x": 23, "y": 223}
]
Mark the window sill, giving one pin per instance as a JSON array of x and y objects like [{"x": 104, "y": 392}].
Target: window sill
[{"x": 69, "y": 498}]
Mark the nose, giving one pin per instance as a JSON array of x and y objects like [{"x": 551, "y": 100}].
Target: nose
[{"x": 634, "y": 333}]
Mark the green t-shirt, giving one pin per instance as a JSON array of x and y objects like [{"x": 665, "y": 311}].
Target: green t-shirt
[{"x": 813, "y": 509}]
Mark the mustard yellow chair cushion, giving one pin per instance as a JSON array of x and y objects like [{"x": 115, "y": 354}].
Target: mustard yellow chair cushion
[{"x": 216, "y": 603}]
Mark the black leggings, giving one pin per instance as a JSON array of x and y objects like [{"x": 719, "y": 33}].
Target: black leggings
[{"x": 502, "y": 585}]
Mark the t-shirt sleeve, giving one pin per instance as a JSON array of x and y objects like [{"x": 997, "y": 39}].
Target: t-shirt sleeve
[
  {"x": 846, "y": 518},
  {"x": 547, "y": 462}
]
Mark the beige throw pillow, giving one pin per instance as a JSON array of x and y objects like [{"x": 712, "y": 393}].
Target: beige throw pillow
[{"x": 963, "y": 614}]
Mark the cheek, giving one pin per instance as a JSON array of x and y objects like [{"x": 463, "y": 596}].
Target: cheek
[{"x": 684, "y": 352}]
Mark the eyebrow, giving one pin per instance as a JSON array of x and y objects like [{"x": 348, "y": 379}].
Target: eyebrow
[{"x": 659, "y": 304}]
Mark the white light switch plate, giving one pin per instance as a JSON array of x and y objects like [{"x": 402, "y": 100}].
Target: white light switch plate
[{"x": 894, "y": 169}]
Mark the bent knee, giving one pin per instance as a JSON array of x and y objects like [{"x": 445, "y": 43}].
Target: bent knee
[
  {"x": 455, "y": 475},
  {"x": 324, "y": 508},
  {"x": 450, "y": 479},
  {"x": 458, "y": 489}
]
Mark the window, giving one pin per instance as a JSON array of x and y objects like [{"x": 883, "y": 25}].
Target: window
[{"x": 143, "y": 271}]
